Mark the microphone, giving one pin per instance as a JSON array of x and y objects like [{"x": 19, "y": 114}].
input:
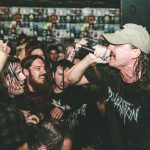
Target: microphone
[{"x": 91, "y": 50}]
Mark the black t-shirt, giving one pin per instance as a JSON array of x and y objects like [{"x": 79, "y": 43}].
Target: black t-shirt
[
  {"x": 72, "y": 97},
  {"x": 81, "y": 112},
  {"x": 13, "y": 127},
  {"x": 128, "y": 110},
  {"x": 36, "y": 102}
]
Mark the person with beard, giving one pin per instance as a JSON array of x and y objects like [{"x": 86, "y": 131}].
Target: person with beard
[
  {"x": 123, "y": 68},
  {"x": 37, "y": 88}
]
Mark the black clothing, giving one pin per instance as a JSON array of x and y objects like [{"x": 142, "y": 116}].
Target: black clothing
[
  {"x": 13, "y": 128},
  {"x": 128, "y": 109},
  {"x": 36, "y": 102},
  {"x": 81, "y": 114}
]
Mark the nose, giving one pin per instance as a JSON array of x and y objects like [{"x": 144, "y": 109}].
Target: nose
[{"x": 43, "y": 71}]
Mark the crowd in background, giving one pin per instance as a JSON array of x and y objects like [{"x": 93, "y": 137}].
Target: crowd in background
[
  {"x": 82, "y": 96},
  {"x": 38, "y": 109}
]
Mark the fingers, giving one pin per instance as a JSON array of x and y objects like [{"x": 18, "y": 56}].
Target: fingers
[
  {"x": 3, "y": 45},
  {"x": 26, "y": 113},
  {"x": 33, "y": 119},
  {"x": 57, "y": 113},
  {"x": 81, "y": 42},
  {"x": 102, "y": 52}
]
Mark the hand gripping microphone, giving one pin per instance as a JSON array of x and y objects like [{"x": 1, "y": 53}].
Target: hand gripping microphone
[{"x": 91, "y": 50}]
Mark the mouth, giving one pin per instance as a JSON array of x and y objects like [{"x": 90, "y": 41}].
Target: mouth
[{"x": 42, "y": 77}]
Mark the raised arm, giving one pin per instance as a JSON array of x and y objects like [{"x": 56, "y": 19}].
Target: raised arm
[
  {"x": 3, "y": 54},
  {"x": 76, "y": 74}
]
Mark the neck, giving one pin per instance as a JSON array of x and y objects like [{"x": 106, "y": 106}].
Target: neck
[
  {"x": 129, "y": 76},
  {"x": 56, "y": 89},
  {"x": 128, "y": 73}
]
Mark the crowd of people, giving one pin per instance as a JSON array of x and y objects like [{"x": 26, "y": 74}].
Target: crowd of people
[{"x": 80, "y": 96}]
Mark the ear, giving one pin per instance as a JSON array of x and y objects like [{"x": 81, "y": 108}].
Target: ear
[
  {"x": 136, "y": 53},
  {"x": 26, "y": 72}
]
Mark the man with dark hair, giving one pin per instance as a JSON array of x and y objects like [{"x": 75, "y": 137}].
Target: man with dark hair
[
  {"x": 53, "y": 54},
  {"x": 76, "y": 106},
  {"x": 124, "y": 70},
  {"x": 35, "y": 98}
]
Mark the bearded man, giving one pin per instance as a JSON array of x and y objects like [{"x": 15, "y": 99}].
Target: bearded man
[{"x": 35, "y": 98}]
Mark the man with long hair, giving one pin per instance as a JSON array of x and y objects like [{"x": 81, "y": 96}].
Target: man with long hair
[
  {"x": 35, "y": 98},
  {"x": 123, "y": 68},
  {"x": 13, "y": 128}
]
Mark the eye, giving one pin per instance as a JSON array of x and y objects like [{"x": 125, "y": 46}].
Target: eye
[{"x": 37, "y": 68}]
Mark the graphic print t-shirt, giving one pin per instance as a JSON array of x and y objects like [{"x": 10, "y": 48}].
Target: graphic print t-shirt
[{"x": 128, "y": 112}]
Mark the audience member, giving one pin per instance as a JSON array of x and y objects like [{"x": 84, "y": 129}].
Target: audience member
[
  {"x": 50, "y": 135},
  {"x": 35, "y": 98}
]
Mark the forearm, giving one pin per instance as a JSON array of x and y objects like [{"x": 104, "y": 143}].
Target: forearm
[
  {"x": 76, "y": 72},
  {"x": 3, "y": 58}
]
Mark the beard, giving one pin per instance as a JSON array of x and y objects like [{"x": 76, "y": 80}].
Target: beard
[{"x": 44, "y": 86}]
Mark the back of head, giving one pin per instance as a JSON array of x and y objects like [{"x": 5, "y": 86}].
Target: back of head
[{"x": 50, "y": 134}]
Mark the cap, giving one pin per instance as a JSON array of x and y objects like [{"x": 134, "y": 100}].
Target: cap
[{"x": 133, "y": 34}]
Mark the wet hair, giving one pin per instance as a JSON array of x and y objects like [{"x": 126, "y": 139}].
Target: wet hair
[
  {"x": 142, "y": 66},
  {"x": 9, "y": 69}
]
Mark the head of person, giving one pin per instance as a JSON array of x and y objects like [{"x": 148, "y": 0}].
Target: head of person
[
  {"x": 34, "y": 69},
  {"x": 58, "y": 74},
  {"x": 37, "y": 49},
  {"x": 129, "y": 48},
  {"x": 12, "y": 77},
  {"x": 53, "y": 53},
  {"x": 50, "y": 135},
  {"x": 21, "y": 43},
  {"x": 60, "y": 47},
  {"x": 61, "y": 55}
]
